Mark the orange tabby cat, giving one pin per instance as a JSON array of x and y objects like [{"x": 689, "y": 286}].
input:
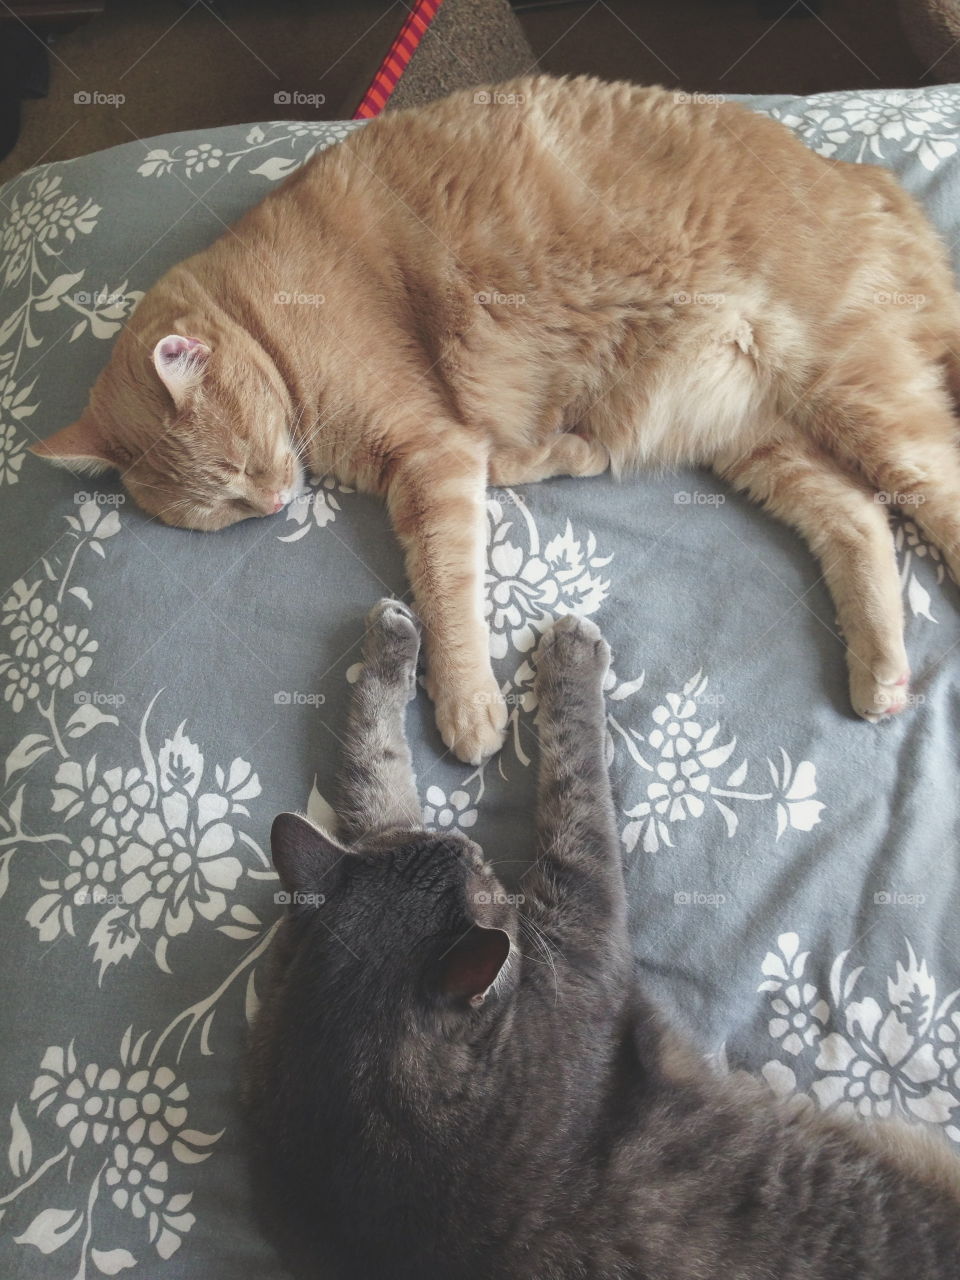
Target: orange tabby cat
[{"x": 549, "y": 278}]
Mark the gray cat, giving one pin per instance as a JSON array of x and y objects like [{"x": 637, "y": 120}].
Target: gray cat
[{"x": 451, "y": 1085}]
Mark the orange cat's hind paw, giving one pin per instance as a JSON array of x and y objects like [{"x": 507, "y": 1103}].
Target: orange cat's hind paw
[{"x": 874, "y": 698}]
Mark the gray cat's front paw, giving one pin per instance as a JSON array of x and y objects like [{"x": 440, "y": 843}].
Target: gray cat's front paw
[
  {"x": 392, "y": 640},
  {"x": 572, "y": 645}
]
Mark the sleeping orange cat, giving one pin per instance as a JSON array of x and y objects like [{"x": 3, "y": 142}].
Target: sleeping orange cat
[{"x": 514, "y": 288}]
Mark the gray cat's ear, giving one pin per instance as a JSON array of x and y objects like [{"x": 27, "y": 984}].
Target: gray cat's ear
[
  {"x": 302, "y": 853},
  {"x": 471, "y": 966},
  {"x": 180, "y": 363}
]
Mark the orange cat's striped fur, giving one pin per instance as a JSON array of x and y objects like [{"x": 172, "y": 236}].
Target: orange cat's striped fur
[{"x": 510, "y": 288}]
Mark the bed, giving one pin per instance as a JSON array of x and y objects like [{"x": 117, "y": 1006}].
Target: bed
[{"x": 792, "y": 870}]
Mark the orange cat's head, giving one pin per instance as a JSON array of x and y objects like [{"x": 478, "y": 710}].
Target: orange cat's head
[{"x": 202, "y": 437}]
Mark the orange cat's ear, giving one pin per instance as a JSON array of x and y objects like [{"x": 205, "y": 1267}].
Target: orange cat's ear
[
  {"x": 80, "y": 446},
  {"x": 180, "y": 363}
]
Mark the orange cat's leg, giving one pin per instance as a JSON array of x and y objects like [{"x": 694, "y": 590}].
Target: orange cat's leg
[
  {"x": 437, "y": 501},
  {"x": 850, "y": 534},
  {"x": 564, "y": 454},
  {"x": 915, "y": 465},
  {"x": 902, "y": 434}
]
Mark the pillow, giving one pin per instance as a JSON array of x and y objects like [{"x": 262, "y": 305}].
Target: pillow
[{"x": 792, "y": 870}]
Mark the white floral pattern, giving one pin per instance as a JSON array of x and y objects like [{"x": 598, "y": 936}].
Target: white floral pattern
[
  {"x": 681, "y": 757},
  {"x": 525, "y": 587},
  {"x": 880, "y": 125},
  {"x": 200, "y": 157},
  {"x": 316, "y": 507},
  {"x": 124, "y": 1133},
  {"x": 143, "y": 852},
  {"x": 913, "y": 550},
  {"x": 874, "y": 1055},
  {"x": 442, "y": 812},
  {"x": 159, "y": 844},
  {"x": 40, "y": 227}
]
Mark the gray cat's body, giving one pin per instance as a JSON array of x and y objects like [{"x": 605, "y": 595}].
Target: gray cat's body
[{"x": 454, "y": 1086}]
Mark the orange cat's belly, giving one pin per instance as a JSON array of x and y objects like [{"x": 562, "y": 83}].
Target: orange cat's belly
[{"x": 690, "y": 400}]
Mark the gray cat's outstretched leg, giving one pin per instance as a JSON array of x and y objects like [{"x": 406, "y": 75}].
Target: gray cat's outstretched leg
[
  {"x": 377, "y": 785},
  {"x": 578, "y": 873}
]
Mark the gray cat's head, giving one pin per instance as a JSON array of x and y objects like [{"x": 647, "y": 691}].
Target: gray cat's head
[{"x": 404, "y": 936}]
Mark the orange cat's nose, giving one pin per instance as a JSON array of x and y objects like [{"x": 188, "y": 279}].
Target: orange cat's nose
[{"x": 266, "y": 502}]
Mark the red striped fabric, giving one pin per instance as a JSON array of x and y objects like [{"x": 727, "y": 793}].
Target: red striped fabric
[{"x": 398, "y": 58}]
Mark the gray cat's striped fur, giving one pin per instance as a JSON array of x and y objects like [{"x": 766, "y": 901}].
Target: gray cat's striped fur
[{"x": 437, "y": 1103}]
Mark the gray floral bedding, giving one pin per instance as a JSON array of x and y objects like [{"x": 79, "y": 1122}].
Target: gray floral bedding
[{"x": 793, "y": 870}]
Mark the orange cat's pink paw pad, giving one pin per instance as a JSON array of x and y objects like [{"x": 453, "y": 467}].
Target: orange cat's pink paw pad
[{"x": 876, "y": 699}]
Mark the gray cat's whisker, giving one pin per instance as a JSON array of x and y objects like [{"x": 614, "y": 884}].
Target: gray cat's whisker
[{"x": 537, "y": 936}]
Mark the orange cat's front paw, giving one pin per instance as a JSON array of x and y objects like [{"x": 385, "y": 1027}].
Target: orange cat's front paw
[
  {"x": 472, "y": 719},
  {"x": 876, "y": 694}
]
